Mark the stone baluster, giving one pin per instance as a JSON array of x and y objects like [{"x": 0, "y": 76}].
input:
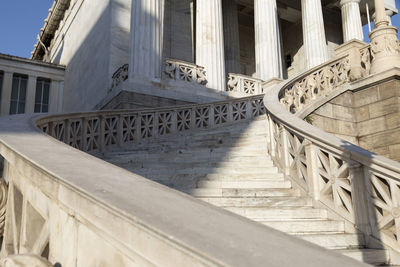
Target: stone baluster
[
  {"x": 146, "y": 39},
  {"x": 231, "y": 34},
  {"x": 267, "y": 39},
  {"x": 316, "y": 51},
  {"x": 210, "y": 42},
  {"x": 30, "y": 94},
  {"x": 385, "y": 47},
  {"x": 6, "y": 93},
  {"x": 351, "y": 20}
]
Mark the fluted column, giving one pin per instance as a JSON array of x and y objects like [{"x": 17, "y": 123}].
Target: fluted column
[
  {"x": 210, "y": 42},
  {"x": 231, "y": 36},
  {"x": 351, "y": 20},
  {"x": 30, "y": 94},
  {"x": 315, "y": 48},
  {"x": 267, "y": 39},
  {"x": 147, "y": 18},
  {"x": 6, "y": 93}
]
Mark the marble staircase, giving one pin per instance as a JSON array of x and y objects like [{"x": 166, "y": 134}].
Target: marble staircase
[{"x": 229, "y": 167}]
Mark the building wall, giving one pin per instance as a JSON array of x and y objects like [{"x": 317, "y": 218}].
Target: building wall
[
  {"x": 82, "y": 43},
  {"x": 32, "y": 70},
  {"x": 369, "y": 118}
]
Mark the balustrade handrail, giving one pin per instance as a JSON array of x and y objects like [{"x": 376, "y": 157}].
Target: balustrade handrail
[
  {"x": 356, "y": 184},
  {"x": 100, "y": 130}
]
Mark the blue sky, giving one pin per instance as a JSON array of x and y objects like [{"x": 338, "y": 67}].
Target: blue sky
[{"x": 21, "y": 20}]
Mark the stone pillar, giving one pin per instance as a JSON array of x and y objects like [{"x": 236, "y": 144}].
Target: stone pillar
[
  {"x": 147, "y": 20},
  {"x": 231, "y": 36},
  {"x": 267, "y": 39},
  {"x": 351, "y": 20},
  {"x": 315, "y": 48},
  {"x": 30, "y": 94},
  {"x": 6, "y": 93},
  {"x": 385, "y": 48},
  {"x": 210, "y": 42},
  {"x": 56, "y": 96}
]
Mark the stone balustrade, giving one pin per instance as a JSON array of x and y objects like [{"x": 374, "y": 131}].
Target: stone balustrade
[
  {"x": 72, "y": 209},
  {"x": 120, "y": 75},
  {"x": 244, "y": 84},
  {"x": 358, "y": 185},
  {"x": 98, "y": 131},
  {"x": 323, "y": 80},
  {"x": 185, "y": 71}
]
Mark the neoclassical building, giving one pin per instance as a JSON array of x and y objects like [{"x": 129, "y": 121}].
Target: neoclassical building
[
  {"x": 266, "y": 40},
  {"x": 203, "y": 133}
]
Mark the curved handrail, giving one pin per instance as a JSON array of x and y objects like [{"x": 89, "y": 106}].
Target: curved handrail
[
  {"x": 102, "y": 130},
  {"x": 356, "y": 184}
]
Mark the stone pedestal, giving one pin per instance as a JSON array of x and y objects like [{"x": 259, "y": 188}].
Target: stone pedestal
[
  {"x": 385, "y": 47},
  {"x": 315, "y": 48},
  {"x": 268, "y": 48},
  {"x": 231, "y": 35},
  {"x": 210, "y": 42},
  {"x": 146, "y": 39},
  {"x": 351, "y": 20}
]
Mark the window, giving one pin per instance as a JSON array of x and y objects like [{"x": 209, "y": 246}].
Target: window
[
  {"x": 42, "y": 95},
  {"x": 288, "y": 61},
  {"x": 18, "y": 94}
]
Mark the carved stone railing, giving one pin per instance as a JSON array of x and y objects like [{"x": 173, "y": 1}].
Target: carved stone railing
[
  {"x": 64, "y": 204},
  {"x": 95, "y": 132},
  {"x": 358, "y": 185},
  {"x": 185, "y": 71},
  {"x": 244, "y": 84},
  {"x": 120, "y": 75}
]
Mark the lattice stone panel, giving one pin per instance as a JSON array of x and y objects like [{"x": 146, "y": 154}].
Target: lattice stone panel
[
  {"x": 239, "y": 111},
  {"x": 297, "y": 159},
  {"x": 258, "y": 107},
  {"x": 129, "y": 128},
  {"x": 165, "y": 123},
  {"x": 221, "y": 114},
  {"x": 27, "y": 230},
  {"x": 111, "y": 130},
  {"x": 147, "y": 125},
  {"x": 202, "y": 117},
  {"x": 335, "y": 183},
  {"x": 183, "y": 119},
  {"x": 75, "y": 133},
  {"x": 385, "y": 196},
  {"x": 59, "y": 131},
  {"x": 92, "y": 134}
]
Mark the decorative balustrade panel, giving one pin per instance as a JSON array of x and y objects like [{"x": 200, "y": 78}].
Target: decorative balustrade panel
[
  {"x": 96, "y": 132},
  {"x": 244, "y": 84},
  {"x": 185, "y": 71},
  {"x": 320, "y": 82},
  {"x": 384, "y": 192}
]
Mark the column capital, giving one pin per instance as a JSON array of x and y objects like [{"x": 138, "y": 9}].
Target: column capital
[{"x": 343, "y": 2}]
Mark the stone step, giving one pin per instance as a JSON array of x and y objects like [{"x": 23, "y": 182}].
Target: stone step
[
  {"x": 248, "y": 192},
  {"x": 307, "y": 226},
  {"x": 377, "y": 257},
  {"x": 244, "y": 184},
  {"x": 259, "y": 201},
  {"x": 336, "y": 240},
  {"x": 281, "y": 213}
]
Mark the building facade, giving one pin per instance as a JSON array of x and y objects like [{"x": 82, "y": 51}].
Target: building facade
[{"x": 260, "y": 39}]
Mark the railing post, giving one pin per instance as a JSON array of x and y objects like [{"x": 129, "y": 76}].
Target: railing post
[
  {"x": 138, "y": 126},
  {"x": 312, "y": 169},
  {"x": 174, "y": 121},
  {"x": 67, "y": 130},
  {"x": 361, "y": 203},
  {"x": 102, "y": 134},
  {"x": 249, "y": 109},
  {"x": 211, "y": 114},
  {"x": 120, "y": 134},
  {"x": 272, "y": 151},
  {"x": 84, "y": 135},
  {"x": 285, "y": 150},
  {"x": 156, "y": 124}
]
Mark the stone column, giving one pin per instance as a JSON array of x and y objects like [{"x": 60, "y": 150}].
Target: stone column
[
  {"x": 351, "y": 20},
  {"x": 147, "y": 19},
  {"x": 385, "y": 48},
  {"x": 315, "y": 48},
  {"x": 6, "y": 93},
  {"x": 56, "y": 96},
  {"x": 231, "y": 35},
  {"x": 210, "y": 42},
  {"x": 267, "y": 39},
  {"x": 30, "y": 94}
]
